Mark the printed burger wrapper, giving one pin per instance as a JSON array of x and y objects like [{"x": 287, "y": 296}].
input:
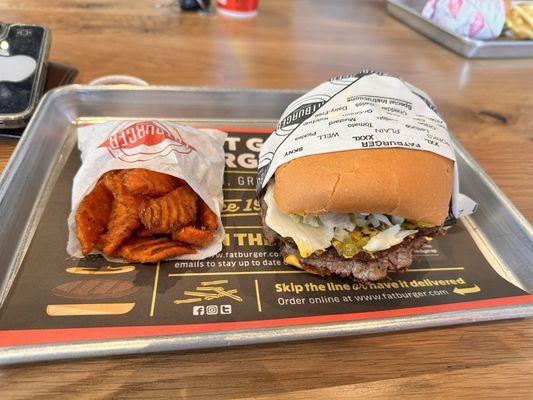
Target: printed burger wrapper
[
  {"x": 368, "y": 110},
  {"x": 196, "y": 156}
]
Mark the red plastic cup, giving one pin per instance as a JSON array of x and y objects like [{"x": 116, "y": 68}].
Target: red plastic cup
[{"x": 238, "y": 8}]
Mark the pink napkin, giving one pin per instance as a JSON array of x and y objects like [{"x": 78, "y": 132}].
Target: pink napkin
[{"x": 478, "y": 19}]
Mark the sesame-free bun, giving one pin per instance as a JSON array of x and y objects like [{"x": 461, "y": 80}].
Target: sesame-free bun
[{"x": 414, "y": 184}]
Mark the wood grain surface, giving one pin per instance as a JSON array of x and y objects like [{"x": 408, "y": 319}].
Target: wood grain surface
[{"x": 487, "y": 104}]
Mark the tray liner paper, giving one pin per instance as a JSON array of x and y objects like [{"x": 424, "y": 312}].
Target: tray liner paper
[{"x": 57, "y": 298}]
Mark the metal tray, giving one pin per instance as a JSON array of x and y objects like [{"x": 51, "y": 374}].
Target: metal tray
[
  {"x": 500, "y": 231},
  {"x": 409, "y": 12}
]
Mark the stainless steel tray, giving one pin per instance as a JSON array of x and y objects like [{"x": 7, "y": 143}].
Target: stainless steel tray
[
  {"x": 500, "y": 231},
  {"x": 409, "y": 12}
]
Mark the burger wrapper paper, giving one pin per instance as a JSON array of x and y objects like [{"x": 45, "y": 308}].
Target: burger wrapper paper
[
  {"x": 196, "y": 156},
  {"x": 368, "y": 110}
]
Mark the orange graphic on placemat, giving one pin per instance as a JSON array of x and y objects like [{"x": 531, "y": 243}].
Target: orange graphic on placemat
[
  {"x": 101, "y": 271},
  {"x": 70, "y": 310}
]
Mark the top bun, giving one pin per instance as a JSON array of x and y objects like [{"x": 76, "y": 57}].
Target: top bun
[{"x": 414, "y": 184}]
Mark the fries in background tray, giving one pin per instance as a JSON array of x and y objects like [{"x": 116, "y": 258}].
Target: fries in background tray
[
  {"x": 519, "y": 20},
  {"x": 143, "y": 216}
]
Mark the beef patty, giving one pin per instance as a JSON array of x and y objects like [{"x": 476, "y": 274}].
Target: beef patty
[{"x": 363, "y": 267}]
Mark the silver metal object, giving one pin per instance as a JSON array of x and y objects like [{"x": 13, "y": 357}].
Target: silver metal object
[
  {"x": 506, "y": 238},
  {"x": 409, "y": 12}
]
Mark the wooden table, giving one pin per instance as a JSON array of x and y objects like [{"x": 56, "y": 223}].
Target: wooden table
[{"x": 487, "y": 104}]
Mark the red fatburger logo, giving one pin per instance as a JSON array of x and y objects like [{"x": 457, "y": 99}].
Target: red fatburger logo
[{"x": 142, "y": 141}]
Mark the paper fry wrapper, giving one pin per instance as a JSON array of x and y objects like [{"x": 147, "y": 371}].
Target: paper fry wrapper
[
  {"x": 196, "y": 156},
  {"x": 368, "y": 110}
]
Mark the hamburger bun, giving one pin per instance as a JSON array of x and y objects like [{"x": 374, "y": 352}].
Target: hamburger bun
[{"x": 413, "y": 184}]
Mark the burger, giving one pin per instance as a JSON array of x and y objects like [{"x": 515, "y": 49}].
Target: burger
[{"x": 359, "y": 214}]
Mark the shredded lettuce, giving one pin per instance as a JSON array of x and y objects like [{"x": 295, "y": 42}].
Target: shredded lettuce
[
  {"x": 311, "y": 220},
  {"x": 397, "y": 220},
  {"x": 361, "y": 222},
  {"x": 309, "y": 239},
  {"x": 387, "y": 238},
  {"x": 337, "y": 220},
  {"x": 379, "y": 218},
  {"x": 296, "y": 218},
  {"x": 340, "y": 234},
  {"x": 348, "y": 233}
]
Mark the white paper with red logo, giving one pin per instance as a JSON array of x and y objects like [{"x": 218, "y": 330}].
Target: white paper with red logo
[{"x": 194, "y": 155}]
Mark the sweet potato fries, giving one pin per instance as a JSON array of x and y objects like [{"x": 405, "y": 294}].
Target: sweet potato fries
[{"x": 143, "y": 216}]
